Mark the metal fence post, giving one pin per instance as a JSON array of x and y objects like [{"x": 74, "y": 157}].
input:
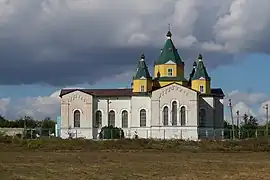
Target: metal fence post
[
  {"x": 31, "y": 132},
  {"x": 164, "y": 134},
  {"x": 111, "y": 134},
  {"x": 256, "y": 133}
]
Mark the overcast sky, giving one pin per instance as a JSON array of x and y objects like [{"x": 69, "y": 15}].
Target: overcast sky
[
  {"x": 68, "y": 42},
  {"x": 43, "y": 41}
]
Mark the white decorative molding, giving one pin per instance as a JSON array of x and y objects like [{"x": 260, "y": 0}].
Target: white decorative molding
[
  {"x": 175, "y": 89},
  {"x": 124, "y": 109},
  {"x": 77, "y": 97},
  {"x": 76, "y": 110}
]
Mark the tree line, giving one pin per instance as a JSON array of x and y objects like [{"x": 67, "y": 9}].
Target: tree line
[
  {"x": 28, "y": 122},
  {"x": 32, "y": 128}
]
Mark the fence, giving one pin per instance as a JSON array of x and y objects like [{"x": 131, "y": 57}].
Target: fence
[
  {"x": 11, "y": 131},
  {"x": 245, "y": 133},
  {"x": 164, "y": 133},
  {"x": 28, "y": 133},
  {"x": 159, "y": 133}
]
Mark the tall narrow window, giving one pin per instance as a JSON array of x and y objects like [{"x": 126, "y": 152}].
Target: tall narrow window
[
  {"x": 98, "y": 122},
  {"x": 142, "y": 88},
  {"x": 142, "y": 118},
  {"x": 183, "y": 116},
  {"x": 202, "y": 118},
  {"x": 201, "y": 89},
  {"x": 174, "y": 113},
  {"x": 111, "y": 118},
  {"x": 170, "y": 72},
  {"x": 77, "y": 119},
  {"x": 165, "y": 116},
  {"x": 124, "y": 119}
]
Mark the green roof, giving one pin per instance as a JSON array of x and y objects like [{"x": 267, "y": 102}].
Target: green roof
[
  {"x": 172, "y": 79},
  {"x": 142, "y": 70},
  {"x": 169, "y": 52},
  {"x": 200, "y": 71}
]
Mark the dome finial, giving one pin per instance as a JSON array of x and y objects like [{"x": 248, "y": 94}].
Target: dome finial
[
  {"x": 194, "y": 64},
  {"x": 142, "y": 56},
  {"x": 200, "y": 57},
  {"x": 169, "y": 34}
]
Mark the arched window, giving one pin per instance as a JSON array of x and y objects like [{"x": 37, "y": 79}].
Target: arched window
[
  {"x": 77, "y": 118},
  {"x": 124, "y": 119},
  {"x": 165, "y": 113},
  {"x": 111, "y": 118},
  {"x": 183, "y": 115},
  {"x": 174, "y": 113},
  {"x": 142, "y": 118},
  {"x": 98, "y": 122},
  {"x": 202, "y": 118}
]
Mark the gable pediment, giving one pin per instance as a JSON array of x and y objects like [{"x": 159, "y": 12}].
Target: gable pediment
[
  {"x": 170, "y": 62},
  {"x": 77, "y": 95},
  {"x": 174, "y": 88},
  {"x": 143, "y": 77}
]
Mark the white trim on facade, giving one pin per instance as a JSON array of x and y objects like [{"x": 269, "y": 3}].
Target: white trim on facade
[
  {"x": 180, "y": 115},
  {"x": 81, "y": 112},
  {"x": 120, "y": 117},
  {"x": 162, "y": 117},
  {"x": 178, "y": 103},
  {"x": 139, "y": 116}
]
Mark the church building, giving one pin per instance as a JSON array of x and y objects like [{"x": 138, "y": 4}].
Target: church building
[{"x": 164, "y": 106}]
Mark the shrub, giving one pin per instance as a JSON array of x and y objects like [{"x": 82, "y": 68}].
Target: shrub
[
  {"x": 110, "y": 132},
  {"x": 30, "y": 134}
]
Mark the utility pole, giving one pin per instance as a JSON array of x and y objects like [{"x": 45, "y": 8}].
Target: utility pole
[
  {"x": 230, "y": 105},
  {"x": 266, "y": 126},
  {"x": 24, "y": 127},
  {"x": 238, "y": 124}
]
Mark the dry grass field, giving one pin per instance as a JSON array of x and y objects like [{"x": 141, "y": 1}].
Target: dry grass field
[
  {"x": 21, "y": 161},
  {"x": 133, "y": 165}
]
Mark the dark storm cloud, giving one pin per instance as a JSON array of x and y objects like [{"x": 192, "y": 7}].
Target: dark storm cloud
[{"x": 72, "y": 42}]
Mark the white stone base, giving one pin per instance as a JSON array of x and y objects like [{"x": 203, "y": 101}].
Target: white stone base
[{"x": 185, "y": 133}]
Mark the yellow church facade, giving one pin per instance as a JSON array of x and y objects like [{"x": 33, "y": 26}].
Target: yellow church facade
[{"x": 166, "y": 105}]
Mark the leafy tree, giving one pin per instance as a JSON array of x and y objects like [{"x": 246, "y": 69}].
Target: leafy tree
[
  {"x": 245, "y": 118},
  {"x": 47, "y": 126},
  {"x": 3, "y": 122},
  {"x": 250, "y": 126},
  {"x": 228, "y": 133},
  {"x": 227, "y": 130}
]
